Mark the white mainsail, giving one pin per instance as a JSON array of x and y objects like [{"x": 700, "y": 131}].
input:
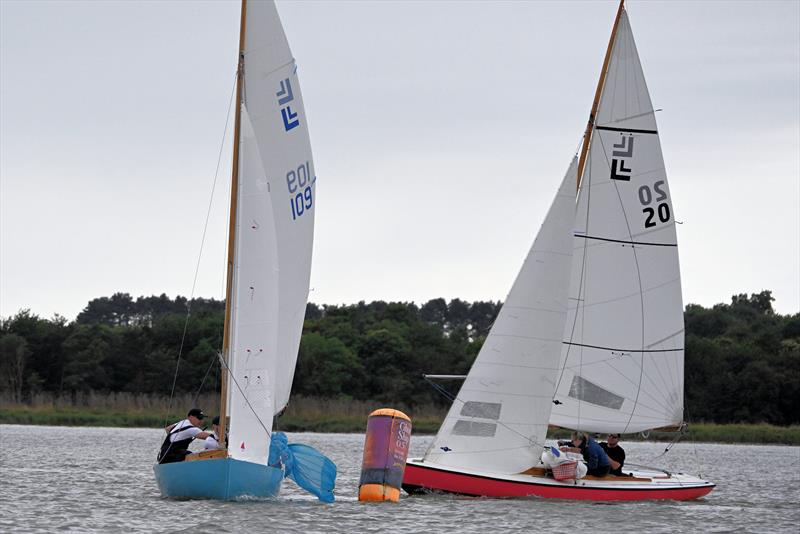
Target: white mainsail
[
  {"x": 622, "y": 359},
  {"x": 502, "y": 409},
  {"x": 274, "y": 235}
]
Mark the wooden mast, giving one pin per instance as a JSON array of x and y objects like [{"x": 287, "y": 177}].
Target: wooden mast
[
  {"x": 587, "y": 136},
  {"x": 226, "y": 336}
]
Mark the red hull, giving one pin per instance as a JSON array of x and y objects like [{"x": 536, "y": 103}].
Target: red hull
[{"x": 419, "y": 478}]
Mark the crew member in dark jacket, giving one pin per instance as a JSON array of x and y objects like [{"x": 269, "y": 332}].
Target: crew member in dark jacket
[
  {"x": 616, "y": 454},
  {"x": 596, "y": 459},
  {"x": 180, "y": 435}
]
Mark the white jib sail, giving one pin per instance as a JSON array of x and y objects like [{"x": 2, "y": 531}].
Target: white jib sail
[
  {"x": 498, "y": 421},
  {"x": 274, "y": 235},
  {"x": 622, "y": 359}
]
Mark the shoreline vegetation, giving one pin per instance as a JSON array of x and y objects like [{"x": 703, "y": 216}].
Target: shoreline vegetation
[
  {"x": 123, "y": 358},
  {"x": 312, "y": 414}
]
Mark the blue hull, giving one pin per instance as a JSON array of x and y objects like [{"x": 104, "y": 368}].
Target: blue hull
[{"x": 223, "y": 479}]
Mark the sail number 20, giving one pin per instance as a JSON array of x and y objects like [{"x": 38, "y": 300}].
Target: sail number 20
[
  {"x": 301, "y": 196},
  {"x": 661, "y": 209}
]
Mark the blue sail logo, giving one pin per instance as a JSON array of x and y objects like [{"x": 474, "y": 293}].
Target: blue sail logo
[{"x": 285, "y": 96}]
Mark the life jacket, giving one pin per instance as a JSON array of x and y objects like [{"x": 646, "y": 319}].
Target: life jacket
[{"x": 175, "y": 451}]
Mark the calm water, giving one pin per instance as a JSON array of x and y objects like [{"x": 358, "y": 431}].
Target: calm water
[{"x": 101, "y": 480}]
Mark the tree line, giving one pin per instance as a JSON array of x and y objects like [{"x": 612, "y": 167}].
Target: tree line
[{"x": 742, "y": 359}]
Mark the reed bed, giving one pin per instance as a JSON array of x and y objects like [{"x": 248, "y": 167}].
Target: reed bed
[{"x": 307, "y": 414}]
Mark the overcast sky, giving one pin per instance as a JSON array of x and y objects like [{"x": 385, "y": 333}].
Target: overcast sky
[{"x": 440, "y": 132}]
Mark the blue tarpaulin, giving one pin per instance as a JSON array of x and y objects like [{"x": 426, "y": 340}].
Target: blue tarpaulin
[{"x": 309, "y": 468}]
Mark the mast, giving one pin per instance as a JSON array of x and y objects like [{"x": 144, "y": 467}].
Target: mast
[
  {"x": 226, "y": 337},
  {"x": 587, "y": 136}
]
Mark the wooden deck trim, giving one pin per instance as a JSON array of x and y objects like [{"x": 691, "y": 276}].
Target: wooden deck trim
[{"x": 207, "y": 455}]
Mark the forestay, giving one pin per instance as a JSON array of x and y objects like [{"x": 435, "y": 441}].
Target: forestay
[
  {"x": 502, "y": 409},
  {"x": 622, "y": 358},
  {"x": 274, "y": 234}
]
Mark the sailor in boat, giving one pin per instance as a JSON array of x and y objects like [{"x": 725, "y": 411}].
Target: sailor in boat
[
  {"x": 616, "y": 454},
  {"x": 595, "y": 457},
  {"x": 212, "y": 441},
  {"x": 180, "y": 435}
]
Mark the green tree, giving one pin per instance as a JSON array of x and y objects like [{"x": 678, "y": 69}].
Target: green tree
[
  {"x": 326, "y": 368},
  {"x": 385, "y": 356},
  {"x": 14, "y": 354}
]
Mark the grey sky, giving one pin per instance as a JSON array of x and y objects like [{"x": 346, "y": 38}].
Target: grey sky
[{"x": 440, "y": 132}]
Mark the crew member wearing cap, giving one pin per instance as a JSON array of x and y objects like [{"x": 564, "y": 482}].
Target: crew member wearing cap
[
  {"x": 180, "y": 435},
  {"x": 616, "y": 454},
  {"x": 212, "y": 441}
]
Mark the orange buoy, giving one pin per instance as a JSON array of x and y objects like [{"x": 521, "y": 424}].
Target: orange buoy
[{"x": 385, "y": 453}]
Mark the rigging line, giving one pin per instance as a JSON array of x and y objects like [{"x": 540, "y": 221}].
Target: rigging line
[
  {"x": 446, "y": 395},
  {"x": 693, "y": 442},
  {"x": 670, "y": 445},
  {"x": 227, "y": 229},
  {"x": 585, "y": 186},
  {"x": 578, "y": 148},
  {"x": 197, "y": 393},
  {"x": 202, "y": 382},
  {"x": 236, "y": 382},
  {"x": 199, "y": 256}
]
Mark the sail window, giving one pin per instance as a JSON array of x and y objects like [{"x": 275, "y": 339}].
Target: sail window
[
  {"x": 584, "y": 390},
  {"x": 484, "y": 410},
  {"x": 474, "y": 428}
]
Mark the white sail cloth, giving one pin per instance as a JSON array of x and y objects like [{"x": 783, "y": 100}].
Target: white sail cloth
[
  {"x": 500, "y": 414},
  {"x": 274, "y": 235},
  {"x": 622, "y": 360}
]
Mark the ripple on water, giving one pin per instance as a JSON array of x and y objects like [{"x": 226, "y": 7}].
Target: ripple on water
[{"x": 101, "y": 480}]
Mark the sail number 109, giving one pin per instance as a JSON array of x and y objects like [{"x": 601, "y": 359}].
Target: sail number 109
[{"x": 301, "y": 196}]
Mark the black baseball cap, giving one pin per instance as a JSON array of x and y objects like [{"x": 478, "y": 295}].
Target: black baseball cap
[
  {"x": 197, "y": 412},
  {"x": 215, "y": 421}
]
